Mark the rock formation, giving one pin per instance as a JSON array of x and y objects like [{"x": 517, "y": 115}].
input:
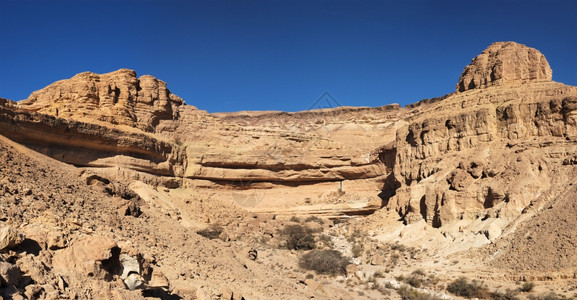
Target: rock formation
[
  {"x": 502, "y": 63},
  {"x": 117, "y": 98},
  {"x": 469, "y": 168}
]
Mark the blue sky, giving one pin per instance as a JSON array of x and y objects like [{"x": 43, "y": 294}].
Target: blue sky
[{"x": 277, "y": 55}]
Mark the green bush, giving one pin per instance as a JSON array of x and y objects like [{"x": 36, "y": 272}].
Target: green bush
[
  {"x": 298, "y": 237},
  {"x": 462, "y": 287},
  {"x": 295, "y": 219},
  {"x": 330, "y": 262}
]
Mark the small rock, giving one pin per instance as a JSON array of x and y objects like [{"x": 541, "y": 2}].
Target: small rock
[
  {"x": 10, "y": 237},
  {"x": 226, "y": 293},
  {"x": 134, "y": 281},
  {"x": 252, "y": 254},
  {"x": 158, "y": 279},
  {"x": 56, "y": 241},
  {"x": 492, "y": 232},
  {"x": 61, "y": 283},
  {"x": 130, "y": 265},
  {"x": 378, "y": 260},
  {"x": 32, "y": 290},
  {"x": 351, "y": 269},
  {"x": 314, "y": 285}
]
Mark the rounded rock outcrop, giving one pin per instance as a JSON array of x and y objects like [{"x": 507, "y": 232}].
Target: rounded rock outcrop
[
  {"x": 118, "y": 97},
  {"x": 505, "y": 62}
]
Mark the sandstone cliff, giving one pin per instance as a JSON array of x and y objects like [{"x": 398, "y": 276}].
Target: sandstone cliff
[
  {"x": 491, "y": 167},
  {"x": 485, "y": 151},
  {"x": 117, "y": 98},
  {"x": 502, "y": 63}
]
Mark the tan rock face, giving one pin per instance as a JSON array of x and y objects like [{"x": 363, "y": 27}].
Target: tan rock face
[
  {"x": 118, "y": 97},
  {"x": 480, "y": 164},
  {"x": 85, "y": 257},
  {"x": 9, "y": 237},
  {"x": 439, "y": 160},
  {"x": 505, "y": 62}
]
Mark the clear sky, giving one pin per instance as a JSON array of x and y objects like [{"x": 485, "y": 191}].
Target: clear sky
[{"x": 277, "y": 55}]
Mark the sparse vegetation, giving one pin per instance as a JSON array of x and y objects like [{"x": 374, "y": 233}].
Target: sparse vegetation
[
  {"x": 408, "y": 293},
  {"x": 549, "y": 296},
  {"x": 340, "y": 221},
  {"x": 394, "y": 259},
  {"x": 212, "y": 232},
  {"x": 330, "y": 262},
  {"x": 382, "y": 289},
  {"x": 527, "y": 287},
  {"x": 474, "y": 289},
  {"x": 357, "y": 250},
  {"x": 354, "y": 236},
  {"x": 295, "y": 219},
  {"x": 399, "y": 247},
  {"x": 416, "y": 279},
  {"x": 298, "y": 237},
  {"x": 326, "y": 241},
  {"x": 378, "y": 274},
  {"x": 507, "y": 295},
  {"x": 315, "y": 219}
]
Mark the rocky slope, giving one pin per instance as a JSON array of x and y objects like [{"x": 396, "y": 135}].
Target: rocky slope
[{"x": 472, "y": 169}]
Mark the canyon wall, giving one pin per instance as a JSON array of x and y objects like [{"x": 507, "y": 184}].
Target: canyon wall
[{"x": 488, "y": 151}]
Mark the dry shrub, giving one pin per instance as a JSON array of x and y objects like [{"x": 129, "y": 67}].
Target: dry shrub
[
  {"x": 330, "y": 262},
  {"x": 462, "y": 287},
  {"x": 527, "y": 287},
  {"x": 315, "y": 219},
  {"x": 211, "y": 232},
  {"x": 298, "y": 237},
  {"x": 408, "y": 293},
  {"x": 507, "y": 295}
]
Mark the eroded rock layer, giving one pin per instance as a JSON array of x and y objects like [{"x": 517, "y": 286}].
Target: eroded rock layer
[
  {"x": 488, "y": 151},
  {"x": 117, "y": 98}
]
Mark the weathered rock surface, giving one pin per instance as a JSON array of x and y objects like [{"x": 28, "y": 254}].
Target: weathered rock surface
[
  {"x": 118, "y": 97},
  {"x": 10, "y": 237},
  {"x": 90, "y": 256},
  {"x": 9, "y": 274},
  {"x": 478, "y": 164},
  {"x": 89, "y": 144},
  {"x": 502, "y": 63}
]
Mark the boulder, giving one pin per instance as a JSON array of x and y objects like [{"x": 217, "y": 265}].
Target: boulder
[
  {"x": 89, "y": 256},
  {"x": 10, "y": 237},
  {"x": 158, "y": 279}
]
